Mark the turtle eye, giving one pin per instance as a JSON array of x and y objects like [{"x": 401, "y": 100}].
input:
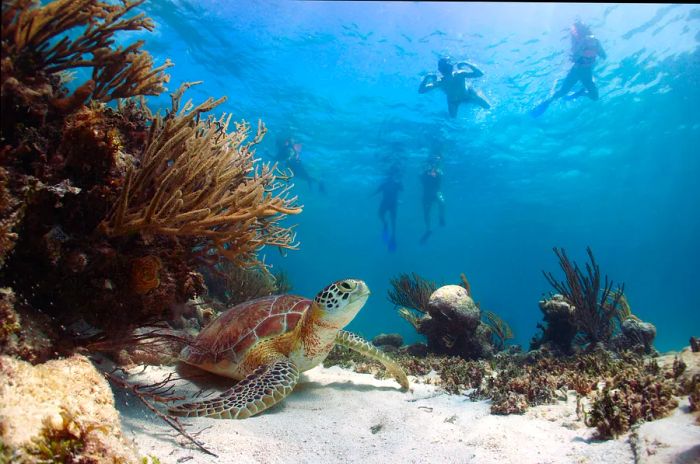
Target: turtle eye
[{"x": 347, "y": 286}]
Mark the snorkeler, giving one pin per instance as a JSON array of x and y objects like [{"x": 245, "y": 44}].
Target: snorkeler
[
  {"x": 431, "y": 178},
  {"x": 289, "y": 152},
  {"x": 389, "y": 188},
  {"x": 585, "y": 48},
  {"x": 453, "y": 83}
]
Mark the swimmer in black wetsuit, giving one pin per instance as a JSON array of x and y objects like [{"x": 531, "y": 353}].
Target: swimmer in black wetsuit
[
  {"x": 389, "y": 188},
  {"x": 431, "y": 178},
  {"x": 289, "y": 152},
  {"x": 585, "y": 48},
  {"x": 453, "y": 83}
]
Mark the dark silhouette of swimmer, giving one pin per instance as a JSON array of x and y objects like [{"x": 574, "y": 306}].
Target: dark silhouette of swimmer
[
  {"x": 585, "y": 48},
  {"x": 389, "y": 188},
  {"x": 289, "y": 152},
  {"x": 454, "y": 83},
  {"x": 431, "y": 178}
]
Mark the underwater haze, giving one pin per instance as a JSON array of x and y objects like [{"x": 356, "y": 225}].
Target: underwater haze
[{"x": 619, "y": 174}]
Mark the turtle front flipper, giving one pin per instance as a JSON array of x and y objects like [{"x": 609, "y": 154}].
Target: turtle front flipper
[
  {"x": 266, "y": 386},
  {"x": 362, "y": 346}
]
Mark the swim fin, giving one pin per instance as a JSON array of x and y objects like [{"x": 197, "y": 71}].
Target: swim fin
[{"x": 540, "y": 109}]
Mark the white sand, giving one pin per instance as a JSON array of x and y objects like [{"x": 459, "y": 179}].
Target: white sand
[{"x": 330, "y": 417}]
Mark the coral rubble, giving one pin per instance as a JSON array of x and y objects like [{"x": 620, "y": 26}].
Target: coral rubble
[
  {"x": 636, "y": 392},
  {"x": 615, "y": 391}
]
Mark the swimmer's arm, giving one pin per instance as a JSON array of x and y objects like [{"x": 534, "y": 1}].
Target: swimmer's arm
[
  {"x": 475, "y": 72},
  {"x": 429, "y": 82}
]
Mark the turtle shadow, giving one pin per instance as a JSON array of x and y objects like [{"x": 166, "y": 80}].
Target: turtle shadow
[
  {"x": 347, "y": 385},
  {"x": 688, "y": 456},
  {"x": 202, "y": 379},
  {"x": 208, "y": 385},
  {"x": 208, "y": 381}
]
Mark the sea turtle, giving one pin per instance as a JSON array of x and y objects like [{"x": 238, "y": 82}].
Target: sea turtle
[{"x": 265, "y": 343}]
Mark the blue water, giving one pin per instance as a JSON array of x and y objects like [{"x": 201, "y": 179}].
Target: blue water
[{"x": 620, "y": 174}]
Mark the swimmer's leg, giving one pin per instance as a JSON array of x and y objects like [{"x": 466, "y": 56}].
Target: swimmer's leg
[
  {"x": 441, "y": 208},
  {"x": 587, "y": 81},
  {"x": 569, "y": 81},
  {"x": 571, "y": 78},
  {"x": 427, "y": 206},
  {"x": 385, "y": 227},
  {"x": 477, "y": 97},
  {"x": 452, "y": 107},
  {"x": 391, "y": 245},
  {"x": 575, "y": 95}
]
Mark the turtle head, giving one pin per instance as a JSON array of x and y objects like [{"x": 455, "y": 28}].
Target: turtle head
[{"x": 342, "y": 300}]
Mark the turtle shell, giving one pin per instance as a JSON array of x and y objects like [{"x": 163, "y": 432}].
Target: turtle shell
[{"x": 235, "y": 331}]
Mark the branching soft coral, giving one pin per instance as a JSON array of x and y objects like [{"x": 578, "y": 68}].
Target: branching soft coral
[
  {"x": 411, "y": 291},
  {"x": 595, "y": 307},
  {"x": 197, "y": 179},
  {"x": 500, "y": 330},
  {"x": 31, "y": 32}
]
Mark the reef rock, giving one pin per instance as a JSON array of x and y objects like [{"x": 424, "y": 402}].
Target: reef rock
[
  {"x": 392, "y": 339},
  {"x": 454, "y": 325},
  {"x": 639, "y": 331},
  {"x": 560, "y": 328},
  {"x": 60, "y": 405},
  {"x": 417, "y": 349},
  {"x": 388, "y": 348},
  {"x": 636, "y": 336},
  {"x": 27, "y": 335},
  {"x": 557, "y": 307},
  {"x": 454, "y": 303}
]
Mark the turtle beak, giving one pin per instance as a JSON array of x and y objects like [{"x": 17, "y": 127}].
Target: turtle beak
[{"x": 362, "y": 288}]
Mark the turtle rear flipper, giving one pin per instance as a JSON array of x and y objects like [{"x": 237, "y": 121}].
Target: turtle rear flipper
[
  {"x": 362, "y": 346},
  {"x": 265, "y": 387}
]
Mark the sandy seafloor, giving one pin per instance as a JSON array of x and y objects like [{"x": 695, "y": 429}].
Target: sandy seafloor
[{"x": 339, "y": 416}]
